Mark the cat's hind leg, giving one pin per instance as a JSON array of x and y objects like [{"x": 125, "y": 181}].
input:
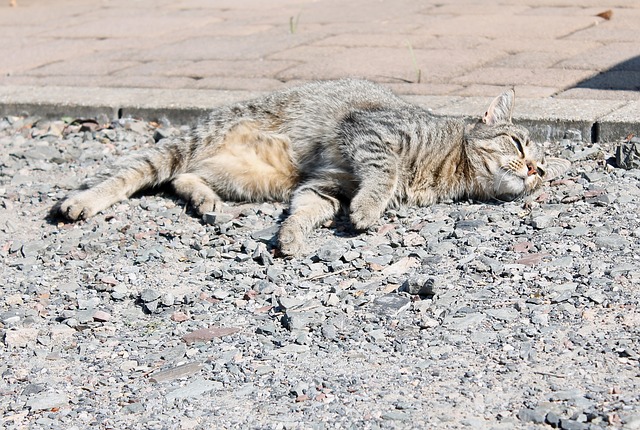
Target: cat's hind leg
[
  {"x": 195, "y": 190},
  {"x": 311, "y": 205},
  {"x": 149, "y": 168}
]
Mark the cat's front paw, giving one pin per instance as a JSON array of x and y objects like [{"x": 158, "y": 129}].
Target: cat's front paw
[
  {"x": 206, "y": 203},
  {"x": 82, "y": 205},
  {"x": 291, "y": 239},
  {"x": 364, "y": 214}
]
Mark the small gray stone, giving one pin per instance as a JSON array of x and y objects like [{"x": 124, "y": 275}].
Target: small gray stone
[
  {"x": 296, "y": 320},
  {"x": 44, "y": 401},
  {"x": 628, "y": 155},
  {"x": 160, "y": 133},
  {"x": 577, "y": 231},
  {"x": 89, "y": 303},
  {"x": 470, "y": 224},
  {"x": 119, "y": 292},
  {"x": 495, "y": 266},
  {"x": 330, "y": 252},
  {"x": 152, "y": 306},
  {"x": 564, "y": 395},
  {"x": 168, "y": 299},
  {"x": 21, "y": 337},
  {"x": 503, "y": 314},
  {"x": 593, "y": 176},
  {"x": 531, "y": 416},
  {"x": 614, "y": 241},
  {"x": 601, "y": 200},
  {"x": 382, "y": 260},
  {"x": 216, "y": 218},
  {"x": 541, "y": 222},
  {"x": 133, "y": 408},
  {"x": 149, "y": 295},
  {"x": 220, "y": 293},
  {"x": 396, "y": 416},
  {"x": 177, "y": 372},
  {"x": 33, "y": 389},
  {"x": 390, "y": 305},
  {"x": 553, "y": 419},
  {"x": 568, "y": 424},
  {"x": 266, "y": 234},
  {"x": 267, "y": 328},
  {"x": 194, "y": 389},
  {"x": 290, "y": 302},
  {"x": 329, "y": 331},
  {"x": 596, "y": 296},
  {"x": 85, "y": 316},
  {"x": 422, "y": 285},
  {"x": 10, "y": 318}
]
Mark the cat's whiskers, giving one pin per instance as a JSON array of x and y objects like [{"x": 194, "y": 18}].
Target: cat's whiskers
[{"x": 506, "y": 172}]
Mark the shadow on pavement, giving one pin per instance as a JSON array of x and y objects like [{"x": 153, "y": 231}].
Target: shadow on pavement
[{"x": 624, "y": 76}]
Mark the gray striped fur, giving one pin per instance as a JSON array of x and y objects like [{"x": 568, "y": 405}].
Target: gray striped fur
[{"x": 328, "y": 144}]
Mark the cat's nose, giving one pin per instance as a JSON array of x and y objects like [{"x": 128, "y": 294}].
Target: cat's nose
[{"x": 531, "y": 169}]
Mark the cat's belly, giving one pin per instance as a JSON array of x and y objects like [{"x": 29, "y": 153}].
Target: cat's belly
[{"x": 251, "y": 165}]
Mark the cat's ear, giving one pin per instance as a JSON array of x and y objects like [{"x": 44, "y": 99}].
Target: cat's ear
[
  {"x": 500, "y": 109},
  {"x": 555, "y": 167}
]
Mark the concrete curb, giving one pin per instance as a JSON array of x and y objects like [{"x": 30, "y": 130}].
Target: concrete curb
[{"x": 548, "y": 119}]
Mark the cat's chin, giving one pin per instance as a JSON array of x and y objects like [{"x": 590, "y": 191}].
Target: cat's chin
[{"x": 509, "y": 187}]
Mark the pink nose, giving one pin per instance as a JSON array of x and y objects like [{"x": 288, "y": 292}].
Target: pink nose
[{"x": 532, "y": 169}]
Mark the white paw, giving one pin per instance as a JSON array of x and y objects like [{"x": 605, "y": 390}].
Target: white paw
[
  {"x": 364, "y": 214},
  {"x": 80, "y": 206},
  {"x": 291, "y": 239}
]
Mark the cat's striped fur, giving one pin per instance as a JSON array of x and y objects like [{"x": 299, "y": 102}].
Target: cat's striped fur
[{"x": 327, "y": 144}]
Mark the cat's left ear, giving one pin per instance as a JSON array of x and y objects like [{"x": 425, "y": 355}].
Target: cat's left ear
[
  {"x": 500, "y": 109},
  {"x": 554, "y": 167}
]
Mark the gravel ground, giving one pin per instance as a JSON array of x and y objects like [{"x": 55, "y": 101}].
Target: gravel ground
[{"x": 515, "y": 315}]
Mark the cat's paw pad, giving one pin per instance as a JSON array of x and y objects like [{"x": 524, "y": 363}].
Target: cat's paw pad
[
  {"x": 291, "y": 239},
  {"x": 80, "y": 206}
]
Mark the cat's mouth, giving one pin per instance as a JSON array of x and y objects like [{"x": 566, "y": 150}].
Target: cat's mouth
[{"x": 509, "y": 185}]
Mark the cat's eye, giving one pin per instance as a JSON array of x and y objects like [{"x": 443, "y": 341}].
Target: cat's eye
[
  {"x": 518, "y": 144},
  {"x": 541, "y": 172}
]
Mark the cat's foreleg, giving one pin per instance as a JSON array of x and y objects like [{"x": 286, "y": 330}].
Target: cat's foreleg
[
  {"x": 310, "y": 206},
  {"x": 378, "y": 182}
]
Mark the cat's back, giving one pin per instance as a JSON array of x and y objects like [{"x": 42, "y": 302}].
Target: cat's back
[
  {"x": 339, "y": 95},
  {"x": 330, "y": 101}
]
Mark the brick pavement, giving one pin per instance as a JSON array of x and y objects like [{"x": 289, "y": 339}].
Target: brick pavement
[{"x": 570, "y": 67}]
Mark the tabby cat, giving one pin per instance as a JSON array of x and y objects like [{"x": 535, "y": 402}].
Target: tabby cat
[{"x": 327, "y": 144}]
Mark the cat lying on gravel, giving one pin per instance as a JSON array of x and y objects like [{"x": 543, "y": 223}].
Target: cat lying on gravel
[{"x": 325, "y": 144}]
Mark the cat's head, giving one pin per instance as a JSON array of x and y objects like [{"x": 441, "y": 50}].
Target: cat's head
[{"x": 505, "y": 158}]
